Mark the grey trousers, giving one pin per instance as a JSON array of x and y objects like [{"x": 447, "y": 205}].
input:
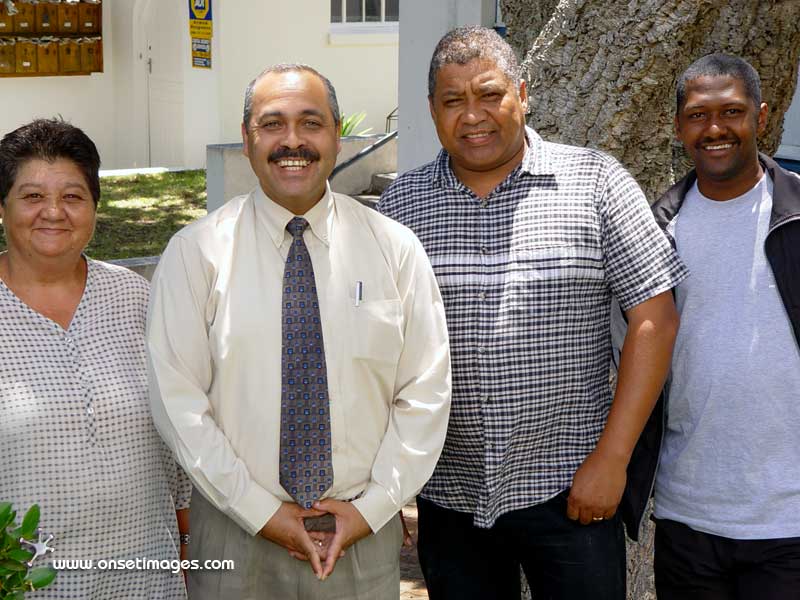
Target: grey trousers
[{"x": 369, "y": 570}]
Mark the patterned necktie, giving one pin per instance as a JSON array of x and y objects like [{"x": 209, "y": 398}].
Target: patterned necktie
[{"x": 306, "y": 470}]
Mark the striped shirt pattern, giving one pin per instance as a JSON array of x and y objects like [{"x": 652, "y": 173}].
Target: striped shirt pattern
[{"x": 527, "y": 275}]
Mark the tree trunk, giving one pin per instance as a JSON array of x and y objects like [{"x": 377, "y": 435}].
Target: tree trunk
[
  {"x": 602, "y": 74},
  {"x": 526, "y": 19}
]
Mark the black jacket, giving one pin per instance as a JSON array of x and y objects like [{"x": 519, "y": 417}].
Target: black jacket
[{"x": 782, "y": 248}]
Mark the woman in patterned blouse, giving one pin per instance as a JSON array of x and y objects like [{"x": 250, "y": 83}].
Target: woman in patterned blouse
[{"x": 76, "y": 435}]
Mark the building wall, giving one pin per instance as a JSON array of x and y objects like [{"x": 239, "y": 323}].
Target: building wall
[
  {"x": 790, "y": 143},
  {"x": 423, "y": 24},
  {"x": 362, "y": 67},
  {"x": 112, "y": 106},
  {"x": 87, "y": 101}
]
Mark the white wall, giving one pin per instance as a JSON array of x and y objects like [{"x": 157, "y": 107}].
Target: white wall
[
  {"x": 201, "y": 118},
  {"x": 362, "y": 67},
  {"x": 790, "y": 143},
  {"x": 86, "y": 101},
  {"x": 422, "y": 25},
  {"x": 112, "y": 106}
]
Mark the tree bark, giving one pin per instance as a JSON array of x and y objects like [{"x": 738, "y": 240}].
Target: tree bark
[
  {"x": 602, "y": 74},
  {"x": 525, "y": 19}
]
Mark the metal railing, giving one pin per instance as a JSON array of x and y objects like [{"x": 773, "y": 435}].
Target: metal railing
[
  {"x": 365, "y": 152},
  {"x": 391, "y": 117}
]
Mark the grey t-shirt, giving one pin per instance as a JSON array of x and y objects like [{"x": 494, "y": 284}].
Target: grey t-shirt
[{"x": 730, "y": 463}]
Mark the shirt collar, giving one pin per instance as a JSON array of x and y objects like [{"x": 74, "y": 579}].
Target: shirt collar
[
  {"x": 275, "y": 217},
  {"x": 537, "y": 160}
]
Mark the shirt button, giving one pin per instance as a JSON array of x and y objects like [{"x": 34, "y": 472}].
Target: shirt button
[
  {"x": 482, "y": 295},
  {"x": 484, "y": 250},
  {"x": 481, "y": 350},
  {"x": 484, "y": 204},
  {"x": 485, "y": 399},
  {"x": 90, "y": 411},
  {"x": 489, "y": 445}
]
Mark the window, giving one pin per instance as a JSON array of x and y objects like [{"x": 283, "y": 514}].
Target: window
[{"x": 365, "y": 11}]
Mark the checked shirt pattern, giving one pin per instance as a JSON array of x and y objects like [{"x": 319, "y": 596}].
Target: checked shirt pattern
[
  {"x": 306, "y": 470},
  {"x": 527, "y": 275}
]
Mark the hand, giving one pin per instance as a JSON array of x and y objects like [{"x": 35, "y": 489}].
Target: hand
[
  {"x": 286, "y": 529},
  {"x": 596, "y": 488},
  {"x": 408, "y": 541},
  {"x": 322, "y": 542},
  {"x": 350, "y": 527}
]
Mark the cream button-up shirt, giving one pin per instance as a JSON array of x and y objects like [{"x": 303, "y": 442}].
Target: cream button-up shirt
[{"x": 214, "y": 336}]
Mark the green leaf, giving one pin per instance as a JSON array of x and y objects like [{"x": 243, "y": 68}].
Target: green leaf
[
  {"x": 17, "y": 596},
  {"x": 16, "y": 581},
  {"x": 41, "y": 576},
  {"x": 30, "y": 522},
  {"x": 20, "y": 555},
  {"x": 350, "y": 122},
  {"x": 9, "y": 542},
  {"x": 5, "y": 514},
  {"x": 12, "y": 565}
]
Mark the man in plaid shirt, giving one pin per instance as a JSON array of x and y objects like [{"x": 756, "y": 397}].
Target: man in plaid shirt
[{"x": 530, "y": 241}]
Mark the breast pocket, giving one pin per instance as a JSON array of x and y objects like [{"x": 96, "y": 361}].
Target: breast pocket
[{"x": 376, "y": 331}]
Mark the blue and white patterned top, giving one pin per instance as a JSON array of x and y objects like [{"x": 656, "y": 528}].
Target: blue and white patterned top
[
  {"x": 527, "y": 275},
  {"x": 76, "y": 437}
]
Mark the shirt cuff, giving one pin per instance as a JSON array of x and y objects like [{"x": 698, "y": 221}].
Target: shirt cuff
[
  {"x": 376, "y": 506},
  {"x": 256, "y": 507}
]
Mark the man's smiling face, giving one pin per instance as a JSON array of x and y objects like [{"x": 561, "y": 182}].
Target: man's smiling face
[
  {"x": 718, "y": 125},
  {"x": 292, "y": 139},
  {"x": 479, "y": 115}
]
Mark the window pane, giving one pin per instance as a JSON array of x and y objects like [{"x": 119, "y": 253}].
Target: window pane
[
  {"x": 392, "y": 10},
  {"x": 354, "y": 11},
  {"x": 373, "y": 10},
  {"x": 336, "y": 11}
]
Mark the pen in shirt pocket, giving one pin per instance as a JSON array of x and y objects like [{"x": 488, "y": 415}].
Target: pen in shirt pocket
[{"x": 359, "y": 292}]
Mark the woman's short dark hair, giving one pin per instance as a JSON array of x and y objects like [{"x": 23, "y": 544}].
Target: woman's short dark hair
[{"x": 48, "y": 139}]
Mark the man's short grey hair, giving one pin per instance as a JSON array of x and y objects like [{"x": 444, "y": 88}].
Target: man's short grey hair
[
  {"x": 290, "y": 68},
  {"x": 464, "y": 44}
]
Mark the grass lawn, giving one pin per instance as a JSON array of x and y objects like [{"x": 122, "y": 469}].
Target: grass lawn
[{"x": 139, "y": 213}]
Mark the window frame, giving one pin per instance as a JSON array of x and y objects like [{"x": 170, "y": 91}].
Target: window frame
[{"x": 381, "y": 26}]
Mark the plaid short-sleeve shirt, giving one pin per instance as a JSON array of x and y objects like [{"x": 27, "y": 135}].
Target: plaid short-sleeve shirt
[{"x": 527, "y": 275}]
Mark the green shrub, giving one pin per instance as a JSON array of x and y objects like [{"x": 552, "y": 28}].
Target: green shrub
[{"x": 16, "y": 576}]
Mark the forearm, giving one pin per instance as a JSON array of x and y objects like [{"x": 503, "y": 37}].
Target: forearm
[
  {"x": 180, "y": 375},
  {"x": 644, "y": 364}
]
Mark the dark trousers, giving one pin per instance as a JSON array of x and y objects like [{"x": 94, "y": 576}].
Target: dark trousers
[
  {"x": 562, "y": 559},
  {"x": 691, "y": 565}
]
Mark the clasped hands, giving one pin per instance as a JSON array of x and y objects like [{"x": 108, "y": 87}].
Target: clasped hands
[{"x": 320, "y": 548}]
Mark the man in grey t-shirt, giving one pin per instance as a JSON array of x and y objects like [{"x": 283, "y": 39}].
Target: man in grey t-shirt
[{"x": 727, "y": 495}]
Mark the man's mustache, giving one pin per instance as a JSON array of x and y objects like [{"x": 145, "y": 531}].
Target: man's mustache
[{"x": 301, "y": 153}]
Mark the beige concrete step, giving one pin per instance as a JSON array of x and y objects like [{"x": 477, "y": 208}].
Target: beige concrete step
[{"x": 381, "y": 181}]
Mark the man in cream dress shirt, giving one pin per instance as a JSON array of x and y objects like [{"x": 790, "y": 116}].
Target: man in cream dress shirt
[{"x": 216, "y": 346}]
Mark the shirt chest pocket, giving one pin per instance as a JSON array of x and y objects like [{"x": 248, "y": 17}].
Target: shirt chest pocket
[
  {"x": 545, "y": 263},
  {"x": 375, "y": 331}
]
